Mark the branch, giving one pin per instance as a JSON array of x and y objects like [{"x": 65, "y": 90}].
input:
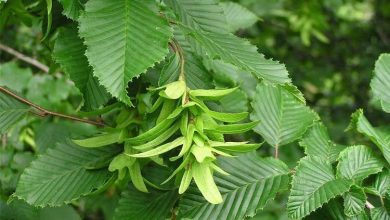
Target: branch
[
  {"x": 24, "y": 58},
  {"x": 42, "y": 112}
]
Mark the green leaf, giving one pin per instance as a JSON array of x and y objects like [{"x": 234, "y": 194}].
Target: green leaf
[
  {"x": 137, "y": 41},
  {"x": 354, "y": 201},
  {"x": 357, "y": 163},
  {"x": 237, "y": 16},
  {"x": 11, "y": 111},
  {"x": 240, "y": 53},
  {"x": 233, "y": 128},
  {"x": 244, "y": 191},
  {"x": 197, "y": 77},
  {"x": 380, "y": 138},
  {"x": 161, "y": 149},
  {"x": 316, "y": 142},
  {"x": 203, "y": 16},
  {"x": 101, "y": 140},
  {"x": 154, "y": 205},
  {"x": 69, "y": 52},
  {"x": 235, "y": 102},
  {"x": 380, "y": 83},
  {"x": 14, "y": 77},
  {"x": 313, "y": 185},
  {"x": 283, "y": 118},
  {"x": 72, "y": 8},
  {"x": 59, "y": 176},
  {"x": 170, "y": 71},
  {"x": 379, "y": 213},
  {"x": 381, "y": 185}
]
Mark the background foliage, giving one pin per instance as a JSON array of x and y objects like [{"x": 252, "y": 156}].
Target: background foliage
[{"x": 329, "y": 48}]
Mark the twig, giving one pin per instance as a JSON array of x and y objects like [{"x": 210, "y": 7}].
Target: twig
[
  {"x": 182, "y": 60},
  {"x": 44, "y": 112},
  {"x": 25, "y": 58},
  {"x": 369, "y": 205},
  {"x": 277, "y": 151},
  {"x": 3, "y": 140}
]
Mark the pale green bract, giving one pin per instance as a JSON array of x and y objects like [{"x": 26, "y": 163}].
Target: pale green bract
[{"x": 138, "y": 38}]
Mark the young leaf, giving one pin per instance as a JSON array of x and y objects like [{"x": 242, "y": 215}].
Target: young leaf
[
  {"x": 354, "y": 202},
  {"x": 101, "y": 140},
  {"x": 283, "y": 118},
  {"x": 134, "y": 204},
  {"x": 380, "y": 138},
  {"x": 380, "y": 84},
  {"x": 161, "y": 149},
  {"x": 59, "y": 176},
  {"x": 138, "y": 40},
  {"x": 313, "y": 185},
  {"x": 237, "y": 16},
  {"x": 205, "y": 182},
  {"x": 247, "y": 191},
  {"x": 357, "y": 163},
  {"x": 11, "y": 111},
  {"x": 69, "y": 52},
  {"x": 316, "y": 142}
]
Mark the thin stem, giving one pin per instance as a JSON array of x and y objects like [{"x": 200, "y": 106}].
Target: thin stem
[
  {"x": 182, "y": 60},
  {"x": 42, "y": 112},
  {"x": 369, "y": 205},
  {"x": 277, "y": 151},
  {"x": 24, "y": 58},
  {"x": 382, "y": 202}
]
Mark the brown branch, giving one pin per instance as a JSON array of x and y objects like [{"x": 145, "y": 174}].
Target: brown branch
[
  {"x": 42, "y": 112},
  {"x": 24, "y": 58}
]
